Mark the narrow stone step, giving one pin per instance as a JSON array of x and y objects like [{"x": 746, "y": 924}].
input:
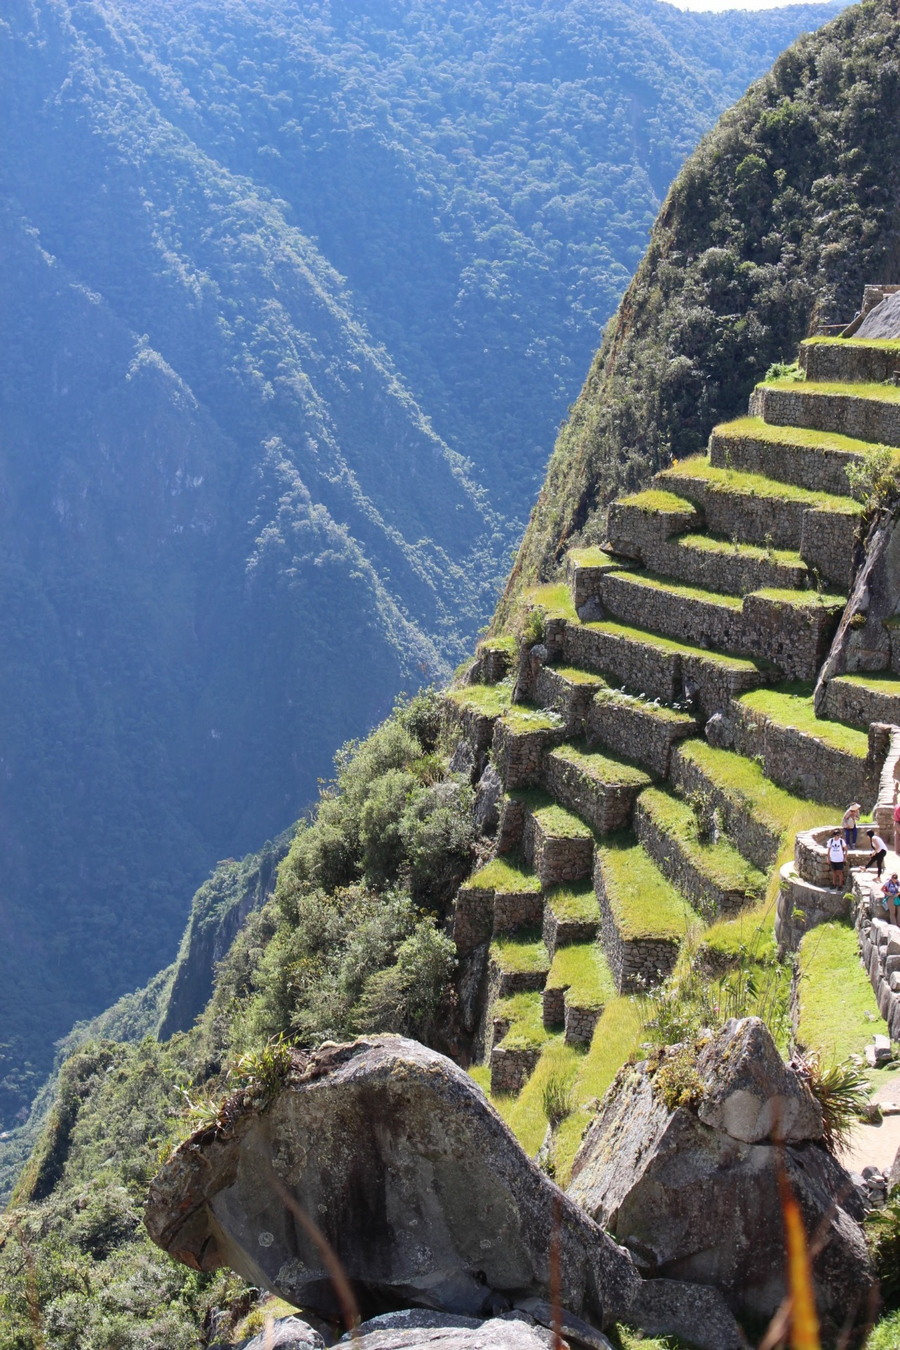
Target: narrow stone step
[
  {"x": 517, "y": 1040},
  {"x": 813, "y": 757},
  {"x": 643, "y": 917},
  {"x": 733, "y": 568},
  {"x": 511, "y": 892},
  {"x": 659, "y": 667},
  {"x": 868, "y": 412},
  {"x": 759, "y": 510},
  {"x": 641, "y": 523},
  {"x": 850, "y": 360},
  {"x": 600, "y": 789},
  {"x": 792, "y": 629},
  {"x": 579, "y": 986},
  {"x": 731, "y": 791},
  {"x": 814, "y": 460},
  {"x": 556, "y": 843},
  {"x": 570, "y": 915},
  {"x": 711, "y": 871},
  {"x": 567, "y": 691},
  {"x": 522, "y": 737},
  {"x": 634, "y": 729},
  {"x": 863, "y": 698}
]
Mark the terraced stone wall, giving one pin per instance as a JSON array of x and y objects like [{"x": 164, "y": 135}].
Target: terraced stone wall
[
  {"x": 802, "y": 765},
  {"x": 879, "y": 943},
  {"x": 637, "y": 733},
  {"x": 751, "y": 836},
  {"x": 839, "y": 363},
  {"x": 571, "y": 700},
  {"x": 605, "y": 806},
  {"x": 556, "y": 859},
  {"x": 849, "y": 702},
  {"x": 865, "y": 419},
  {"x": 580, "y": 1024},
  {"x": 637, "y": 666},
  {"x": 519, "y": 755},
  {"x": 511, "y": 1069}
]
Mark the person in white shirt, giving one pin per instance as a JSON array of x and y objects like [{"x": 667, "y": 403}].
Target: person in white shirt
[
  {"x": 878, "y": 854},
  {"x": 837, "y": 856}
]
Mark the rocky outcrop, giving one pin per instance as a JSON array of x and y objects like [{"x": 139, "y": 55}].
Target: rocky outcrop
[
  {"x": 383, "y": 1160},
  {"x": 415, "y": 1182},
  {"x": 681, "y": 1165}
]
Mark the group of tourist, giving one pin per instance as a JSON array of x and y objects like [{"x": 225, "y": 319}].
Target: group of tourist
[{"x": 844, "y": 839}]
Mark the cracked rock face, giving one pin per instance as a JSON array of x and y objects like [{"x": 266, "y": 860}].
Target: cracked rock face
[
  {"x": 692, "y": 1190},
  {"x": 422, "y": 1192}
]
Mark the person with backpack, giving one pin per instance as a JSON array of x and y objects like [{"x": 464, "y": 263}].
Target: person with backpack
[{"x": 837, "y": 856}]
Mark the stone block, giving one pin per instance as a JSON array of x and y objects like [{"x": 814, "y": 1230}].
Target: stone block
[
  {"x": 556, "y": 858},
  {"x": 473, "y": 917},
  {"x": 553, "y": 1007},
  {"x": 519, "y": 753}
]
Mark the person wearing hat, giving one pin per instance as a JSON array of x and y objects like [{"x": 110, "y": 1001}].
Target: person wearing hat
[{"x": 850, "y": 824}]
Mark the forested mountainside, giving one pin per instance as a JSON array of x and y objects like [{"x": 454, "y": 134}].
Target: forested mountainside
[
  {"x": 786, "y": 210},
  {"x": 293, "y": 298},
  {"x": 353, "y": 939}
]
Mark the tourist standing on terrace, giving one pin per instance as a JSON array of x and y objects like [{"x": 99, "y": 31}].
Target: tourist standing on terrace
[
  {"x": 850, "y": 824},
  {"x": 837, "y": 855},
  {"x": 878, "y": 854}
]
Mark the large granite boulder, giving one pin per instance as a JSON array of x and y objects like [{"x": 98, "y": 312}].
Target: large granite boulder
[
  {"x": 681, "y": 1165},
  {"x": 424, "y": 1195}
]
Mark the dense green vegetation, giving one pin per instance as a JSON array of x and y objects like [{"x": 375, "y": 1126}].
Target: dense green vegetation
[
  {"x": 773, "y": 225},
  {"x": 290, "y": 290},
  {"x": 351, "y": 941}
]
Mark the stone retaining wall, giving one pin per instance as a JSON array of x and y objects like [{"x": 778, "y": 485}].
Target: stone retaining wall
[
  {"x": 553, "y": 1007},
  {"x": 638, "y": 732},
  {"x": 570, "y": 698},
  {"x": 884, "y": 743},
  {"x": 796, "y": 638},
  {"x": 800, "y": 764},
  {"x": 561, "y": 932},
  {"x": 723, "y": 569},
  {"x": 731, "y": 514},
  {"x": 632, "y": 531},
  {"x": 866, "y": 419},
  {"x": 637, "y": 964},
  {"x": 752, "y": 837},
  {"x": 580, "y": 1024},
  {"x": 475, "y": 727},
  {"x": 844, "y": 363},
  {"x": 494, "y": 663},
  {"x": 519, "y": 755},
  {"x": 676, "y": 864},
  {"x": 556, "y": 858},
  {"x": 805, "y": 466},
  {"x": 511, "y": 826},
  {"x": 473, "y": 917},
  {"x": 517, "y": 909},
  {"x": 585, "y": 577},
  {"x": 700, "y": 622},
  {"x": 846, "y": 701},
  {"x": 631, "y": 663},
  {"x": 604, "y": 806},
  {"x": 802, "y": 905},
  {"x": 511, "y": 1069},
  {"x": 879, "y": 945},
  {"x": 828, "y": 544}
]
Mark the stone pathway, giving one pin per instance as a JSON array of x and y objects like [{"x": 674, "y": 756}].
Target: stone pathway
[{"x": 876, "y": 1145}]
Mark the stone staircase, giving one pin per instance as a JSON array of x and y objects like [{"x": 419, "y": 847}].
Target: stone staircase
[{"x": 660, "y": 743}]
